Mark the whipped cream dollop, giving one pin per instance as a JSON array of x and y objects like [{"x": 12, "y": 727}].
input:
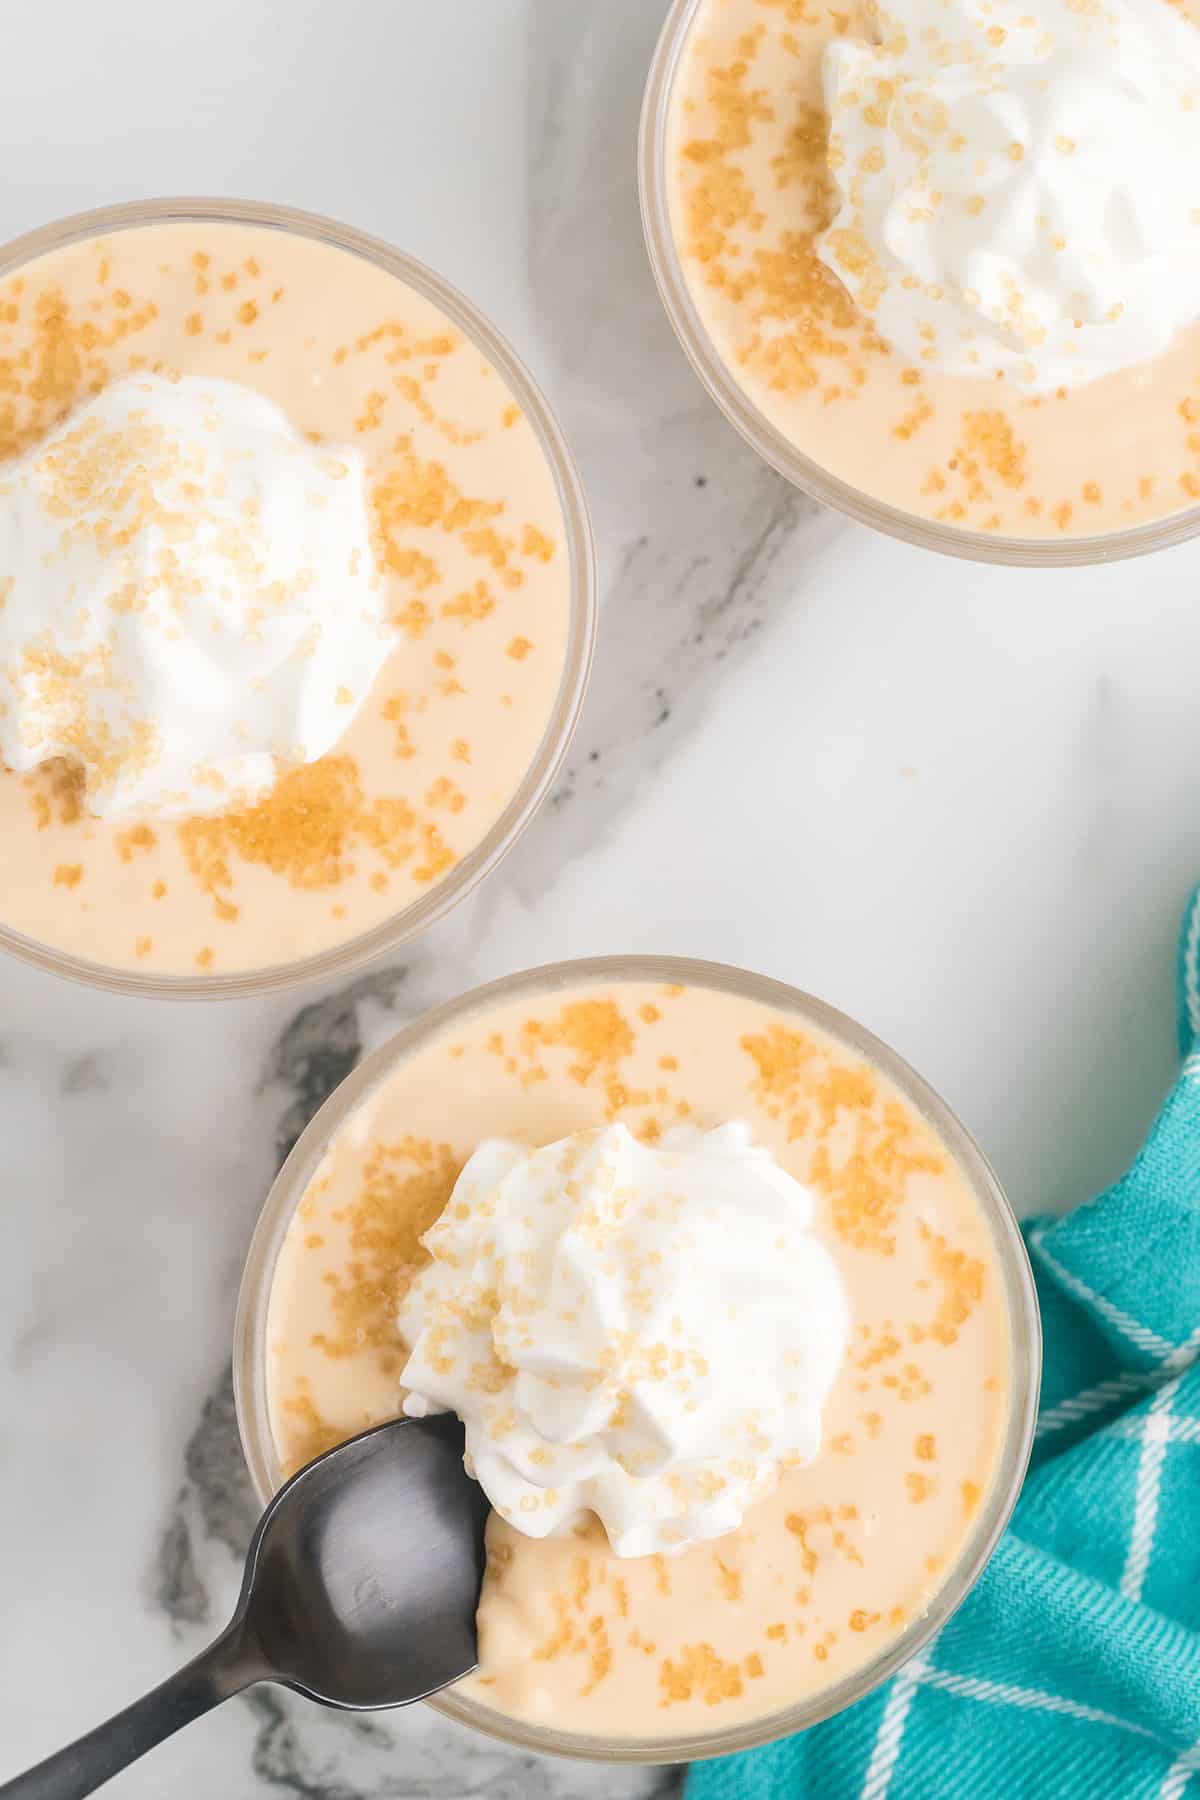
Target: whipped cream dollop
[
  {"x": 188, "y": 597},
  {"x": 646, "y": 1334},
  {"x": 1019, "y": 185}
]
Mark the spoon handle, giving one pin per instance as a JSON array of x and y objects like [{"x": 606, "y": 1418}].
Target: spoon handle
[{"x": 222, "y": 1670}]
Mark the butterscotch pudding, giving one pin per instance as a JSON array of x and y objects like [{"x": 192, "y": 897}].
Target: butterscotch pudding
[
  {"x": 941, "y": 262},
  {"x": 295, "y": 595},
  {"x": 737, "y": 1321}
]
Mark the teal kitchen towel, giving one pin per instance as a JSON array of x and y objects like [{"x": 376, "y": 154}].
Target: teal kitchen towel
[{"x": 1073, "y": 1668}]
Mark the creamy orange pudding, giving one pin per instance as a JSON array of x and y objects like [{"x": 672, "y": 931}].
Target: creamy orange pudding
[
  {"x": 468, "y": 534},
  {"x": 750, "y": 190},
  {"x": 824, "y": 1573}
]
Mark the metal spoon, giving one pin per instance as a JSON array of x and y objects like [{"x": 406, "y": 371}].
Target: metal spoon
[{"x": 360, "y": 1591}]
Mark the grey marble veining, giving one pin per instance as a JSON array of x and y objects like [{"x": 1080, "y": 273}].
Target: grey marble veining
[
  {"x": 321, "y": 1045},
  {"x": 700, "y": 542}
]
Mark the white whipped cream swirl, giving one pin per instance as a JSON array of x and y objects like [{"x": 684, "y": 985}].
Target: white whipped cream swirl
[
  {"x": 646, "y": 1334},
  {"x": 188, "y": 597},
  {"x": 1019, "y": 186}
]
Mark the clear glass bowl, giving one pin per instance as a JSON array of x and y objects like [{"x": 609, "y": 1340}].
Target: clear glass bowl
[
  {"x": 771, "y": 443},
  {"x": 568, "y": 704},
  {"x": 250, "y": 1363}
]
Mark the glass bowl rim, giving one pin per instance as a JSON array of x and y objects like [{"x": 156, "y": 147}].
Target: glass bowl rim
[
  {"x": 773, "y": 445},
  {"x": 353, "y": 952},
  {"x": 290, "y": 1184}
]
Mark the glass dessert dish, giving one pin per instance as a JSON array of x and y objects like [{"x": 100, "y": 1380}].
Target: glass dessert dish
[
  {"x": 774, "y": 338},
  {"x": 450, "y": 753},
  {"x": 541, "y": 1053}
]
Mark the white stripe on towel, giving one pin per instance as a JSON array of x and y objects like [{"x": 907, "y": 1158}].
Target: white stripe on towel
[
  {"x": 889, "y": 1737},
  {"x": 1156, "y": 1430}
]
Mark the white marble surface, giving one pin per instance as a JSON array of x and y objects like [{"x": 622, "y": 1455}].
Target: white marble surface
[{"x": 959, "y": 803}]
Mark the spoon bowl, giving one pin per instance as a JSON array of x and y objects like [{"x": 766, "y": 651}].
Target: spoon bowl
[
  {"x": 364, "y": 1573},
  {"x": 360, "y": 1592}
]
